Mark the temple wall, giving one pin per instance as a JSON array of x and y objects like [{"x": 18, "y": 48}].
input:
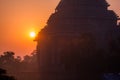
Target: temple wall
[{"x": 70, "y": 46}]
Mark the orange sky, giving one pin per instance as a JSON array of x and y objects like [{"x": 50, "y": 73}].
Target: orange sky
[{"x": 19, "y": 17}]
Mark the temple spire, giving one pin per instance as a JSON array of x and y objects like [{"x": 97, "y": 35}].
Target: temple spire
[
  {"x": 75, "y": 35},
  {"x": 75, "y": 3}
]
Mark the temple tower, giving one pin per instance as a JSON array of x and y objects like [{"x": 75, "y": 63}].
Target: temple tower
[{"x": 73, "y": 32}]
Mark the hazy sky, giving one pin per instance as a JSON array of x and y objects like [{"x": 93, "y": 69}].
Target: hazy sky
[{"x": 19, "y": 17}]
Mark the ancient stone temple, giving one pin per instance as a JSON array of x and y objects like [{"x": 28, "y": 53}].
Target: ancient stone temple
[{"x": 67, "y": 44}]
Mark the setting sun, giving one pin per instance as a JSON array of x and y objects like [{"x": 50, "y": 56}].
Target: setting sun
[{"x": 32, "y": 34}]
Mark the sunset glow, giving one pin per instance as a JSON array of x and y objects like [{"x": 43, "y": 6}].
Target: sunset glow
[
  {"x": 20, "y": 20},
  {"x": 32, "y": 34}
]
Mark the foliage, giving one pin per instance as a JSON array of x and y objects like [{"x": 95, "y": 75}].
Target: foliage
[
  {"x": 4, "y": 76},
  {"x": 17, "y": 66}
]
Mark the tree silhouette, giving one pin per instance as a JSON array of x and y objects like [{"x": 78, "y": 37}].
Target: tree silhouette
[
  {"x": 8, "y": 58},
  {"x": 4, "y": 76},
  {"x": 18, "y": 67}
]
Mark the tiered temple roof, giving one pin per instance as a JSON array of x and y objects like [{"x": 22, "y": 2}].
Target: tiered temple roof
[{"x": 77, "y": 14}]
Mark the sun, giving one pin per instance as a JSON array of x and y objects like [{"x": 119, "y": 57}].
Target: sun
[{"x": 32, "y": 34}]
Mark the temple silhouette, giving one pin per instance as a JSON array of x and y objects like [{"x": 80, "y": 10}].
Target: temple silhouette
[{"x": 72, "y": 44}]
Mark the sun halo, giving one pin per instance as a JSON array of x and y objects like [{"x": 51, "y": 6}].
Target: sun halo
[{"x": 32, "y": 34}]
